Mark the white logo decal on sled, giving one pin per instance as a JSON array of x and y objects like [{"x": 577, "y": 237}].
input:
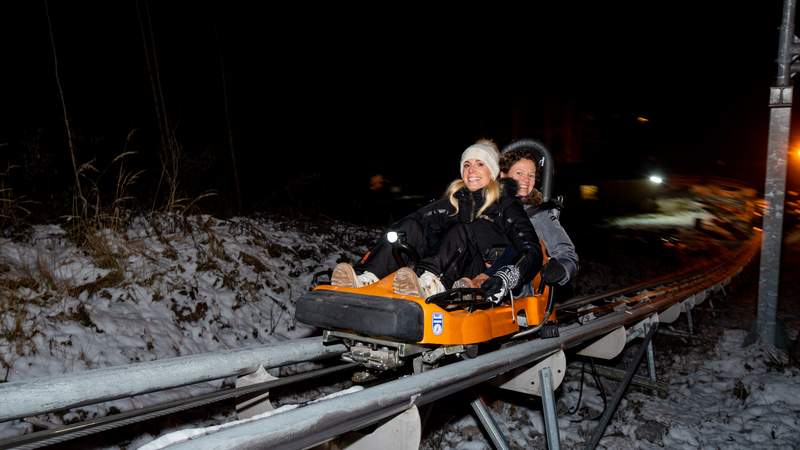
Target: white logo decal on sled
[{"x": 437, "y": 323}]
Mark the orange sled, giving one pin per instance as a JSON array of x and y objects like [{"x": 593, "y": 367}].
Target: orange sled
[{"x": 459, "y": 317}]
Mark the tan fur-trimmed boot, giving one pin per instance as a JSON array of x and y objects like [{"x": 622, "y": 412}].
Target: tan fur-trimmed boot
[
  {"x": 345, "y": 276},
  {"x": 406, "y": 282}
]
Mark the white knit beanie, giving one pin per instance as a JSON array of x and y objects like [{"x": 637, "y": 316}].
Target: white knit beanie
[{"x": 485, "y": 153}]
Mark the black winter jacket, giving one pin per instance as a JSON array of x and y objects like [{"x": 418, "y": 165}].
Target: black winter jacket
[{"x": 503, "y": 223}]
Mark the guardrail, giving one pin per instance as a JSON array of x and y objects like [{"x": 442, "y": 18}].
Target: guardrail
[{"x": 40, "y": 395}]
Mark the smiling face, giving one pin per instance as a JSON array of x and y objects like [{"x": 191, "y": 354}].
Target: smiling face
[
  {"x": 524, "y": 173},
  {"x": 475, "y": 174}
]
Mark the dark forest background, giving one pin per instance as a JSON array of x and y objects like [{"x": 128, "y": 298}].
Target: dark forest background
[{"x": 235, "y": 108}]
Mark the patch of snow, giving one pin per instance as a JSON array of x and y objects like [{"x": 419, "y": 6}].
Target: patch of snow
[
  {"x": 169, "y": 286},
  {"x": 181, "y": 286}
]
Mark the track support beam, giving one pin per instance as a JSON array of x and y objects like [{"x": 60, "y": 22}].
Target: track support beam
[
  {"x": 612, "y": 406},
  {"x": 489, "y": 425},
  {"x": 549, "y": 407}
]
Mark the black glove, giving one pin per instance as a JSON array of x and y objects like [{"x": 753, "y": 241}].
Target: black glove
[
  {"x": 553, "y": 272},
  {"x": 495, "y": 289},
  {"x": 499, "y": 284}
]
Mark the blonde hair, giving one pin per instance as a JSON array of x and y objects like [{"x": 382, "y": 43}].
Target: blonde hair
[
  {"x": 492, "y": 193},
  {"x": 492, "y": 190}
]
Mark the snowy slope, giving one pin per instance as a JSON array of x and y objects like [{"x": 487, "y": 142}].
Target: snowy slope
[
  {"x": 164, "y": 287},
  {"x": 171, "y": 286}
]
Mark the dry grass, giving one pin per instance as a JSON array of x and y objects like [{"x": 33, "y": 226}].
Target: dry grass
[
  {"x": 103, "y": 254},
  {"x": 171, "y": 157},
  {"x": 170, "y": 154},
  {"x": 169, "y": 251},
  {"x": 15, "y": 325},
  {"x": 12, "y": 207},
  {"x": 254, "y": 262},
  {"x": 186, "y": 205},
  {"x": 111, "y": 279},
  {"x": 22, "y": 282},
  {"x": 216, "y": 247},
  {"x": 38, "y": 274},
  {"x": 43, "y": 272},
  {"x": 105, "y": 211}
]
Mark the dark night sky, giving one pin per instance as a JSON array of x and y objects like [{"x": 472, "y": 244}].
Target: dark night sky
[{"x": 340, "y": 93}]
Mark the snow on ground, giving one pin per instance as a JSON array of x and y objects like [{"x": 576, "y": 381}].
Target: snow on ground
[
  {"x": 672, "y": 212},
  {"x": 171, "y": 286},
  {"x": 729, "y": 397},
  {"x": 164, "y": 287},
  {"x": 721, "y": 394}
]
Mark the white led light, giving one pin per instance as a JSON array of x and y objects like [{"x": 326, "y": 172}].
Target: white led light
[
  {"x": 391, "y": 237},
  {"x": 656, "y": 179}
]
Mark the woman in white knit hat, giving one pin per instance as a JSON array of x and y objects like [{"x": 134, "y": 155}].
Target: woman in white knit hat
[{"x": 457, "y": 235}]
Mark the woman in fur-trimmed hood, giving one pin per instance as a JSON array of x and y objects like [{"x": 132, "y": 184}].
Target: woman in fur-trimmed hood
[
  {"x": 520, "y": 164},
  {"x": 525, "y": 174},
  {"x": 458, "y": 235}
]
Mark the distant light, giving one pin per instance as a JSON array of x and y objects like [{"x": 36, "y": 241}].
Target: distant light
[
  {"x": 377, "y": 182},
  {"x": 642, "y": 119},
  {"x": 655, "y": 179},
  {"x": 588, "y": 192},
  {"x": 391, "y": 237}
]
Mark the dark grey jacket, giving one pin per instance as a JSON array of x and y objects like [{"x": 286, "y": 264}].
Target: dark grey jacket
[{"x": 555, "y": 239}]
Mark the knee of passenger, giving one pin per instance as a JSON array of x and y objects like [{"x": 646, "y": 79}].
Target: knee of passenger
[{"x": 413, "y": 230}]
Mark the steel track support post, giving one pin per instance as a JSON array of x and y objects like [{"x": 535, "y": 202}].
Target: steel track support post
[
  {"x": 486, "y": 419},
  {"x": 689, "y": 320},
  {"x": 780, "y": 116},
  {"x": 549, "y": 407},
  {"x": 651, "y": 365},
  {"x": 612, "y": 405},
  {"x": 259, "y": 404},
  {"x": 774, "y": 193},
  {"x": 651, "y": 361}
]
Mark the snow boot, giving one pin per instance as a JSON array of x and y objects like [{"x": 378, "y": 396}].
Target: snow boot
[{"x": 345, "y": 276}]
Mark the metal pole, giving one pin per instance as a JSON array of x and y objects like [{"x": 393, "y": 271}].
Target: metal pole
[
  {"x": 651, "y": 365},
  {"x": 548, "y": 404},
  {"x": 651, "y": 362},
  {"x": 785, "y": 45},
  {"x": 689, "y": 320},
  {"x": 612, "y": 405},
  {"x": 38, "y": 395},
  {"x": 486, "y": 419},
  {"x": 780, "y": 103}
]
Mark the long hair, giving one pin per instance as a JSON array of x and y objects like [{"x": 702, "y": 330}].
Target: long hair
[{"x": 491, "y": 194}]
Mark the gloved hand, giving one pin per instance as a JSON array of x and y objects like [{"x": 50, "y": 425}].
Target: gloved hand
[
  {"x": 499, "y": 284},
  {"x": 495, "y": 289},
  {"x": 553, "y": 272}
]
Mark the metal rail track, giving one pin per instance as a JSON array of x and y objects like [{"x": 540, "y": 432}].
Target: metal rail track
[
  {"x": 74, "y": 431},
  {"x": 382, "y": 401},
  {"x": 42, "y": 395},
  {"x": 317, "y": 423}
]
